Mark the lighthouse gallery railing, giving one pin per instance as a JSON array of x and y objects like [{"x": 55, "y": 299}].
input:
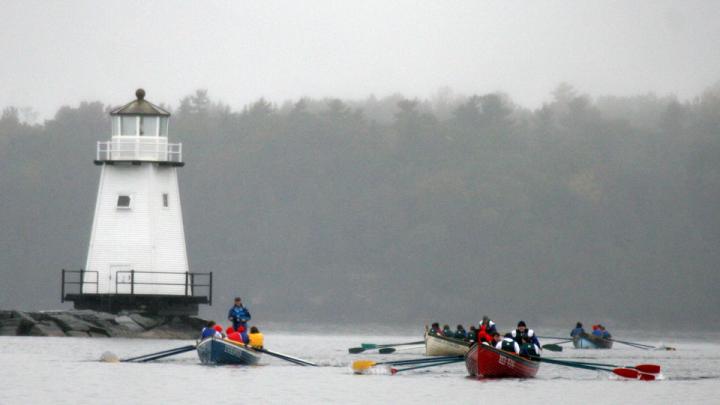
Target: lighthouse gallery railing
[{"x": 139, "y": 148}]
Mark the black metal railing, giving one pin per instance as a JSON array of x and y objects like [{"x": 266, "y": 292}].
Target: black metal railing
[
  {"x": 80, "y": 282},
  {"x": 193, "y": 284},
  {"x": 76, "y": 281}
]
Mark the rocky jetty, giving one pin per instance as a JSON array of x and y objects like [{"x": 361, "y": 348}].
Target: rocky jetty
[{"x": 88, "y": 323}]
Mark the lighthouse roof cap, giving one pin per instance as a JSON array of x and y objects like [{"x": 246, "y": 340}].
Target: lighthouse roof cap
[{"x": 140, "y": 106}]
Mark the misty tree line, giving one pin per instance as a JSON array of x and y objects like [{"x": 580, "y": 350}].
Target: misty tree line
[{"x": 403, "y": 210}]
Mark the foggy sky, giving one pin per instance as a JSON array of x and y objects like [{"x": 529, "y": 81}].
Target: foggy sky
[{"x": 57, "y": 53}]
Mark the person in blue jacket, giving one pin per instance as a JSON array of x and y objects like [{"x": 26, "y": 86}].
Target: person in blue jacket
[
  {"x": 239, "y": 316},
  {"x": 578, "y": 330},
  {"x": 209, "y": 331}
]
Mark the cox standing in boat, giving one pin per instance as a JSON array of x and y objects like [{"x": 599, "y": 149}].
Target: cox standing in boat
[{"x": 239, "y": 316}]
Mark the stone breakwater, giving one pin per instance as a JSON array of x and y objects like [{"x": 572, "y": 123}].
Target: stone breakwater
[{"x": 87, "y": 323}]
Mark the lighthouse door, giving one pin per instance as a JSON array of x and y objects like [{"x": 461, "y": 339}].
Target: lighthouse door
[{"x": 119, "y": 278}]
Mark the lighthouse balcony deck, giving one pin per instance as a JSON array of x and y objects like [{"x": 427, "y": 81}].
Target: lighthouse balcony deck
[
  {"x": 161, "y": 293},
  {"x": 139, "y": 149}
]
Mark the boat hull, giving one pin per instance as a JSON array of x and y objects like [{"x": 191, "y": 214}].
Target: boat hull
[
  {"x": 220, "y": 351},
  {"x": 586, "y": 341},
  {"x": 445, "y": 346},
  {"x": 483, "y": 361}
]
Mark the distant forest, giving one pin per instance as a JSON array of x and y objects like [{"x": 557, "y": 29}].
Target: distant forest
[{"x": 403, "y": 210}]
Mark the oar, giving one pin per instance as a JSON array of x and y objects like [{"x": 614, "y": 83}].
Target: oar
[
  {"x": 159, "y": 355},
  {"x": 633, "y": 374},
  {"x": 645, "y": 368},
  {"x": 360, "y": 365},
  {"x": 639, "y": 345},
  {"x": 285, "y": 357},
  {"x": 367, "y": 346},
  {"x": 437, "y": 363},
  {"x": 555, "y": 347},
  {"x": 623, "y": 372},
  {"x": 389, "y": 350}
]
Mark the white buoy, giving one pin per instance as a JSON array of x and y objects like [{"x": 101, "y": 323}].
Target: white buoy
[{"x": 109, "y": 357}]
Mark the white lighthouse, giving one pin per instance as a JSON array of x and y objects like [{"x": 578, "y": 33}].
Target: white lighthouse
[
  {"x": 137, "y": 229},
  {"x": 137, "y": 255}
]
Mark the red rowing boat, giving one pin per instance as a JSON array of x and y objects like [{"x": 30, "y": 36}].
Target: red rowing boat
[{"x": 483, "y": 361}]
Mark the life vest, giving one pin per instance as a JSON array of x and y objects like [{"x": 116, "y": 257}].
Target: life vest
[
  {"x": 256, "y": 339},
  {"x": 521, "y": 337},
  {"x": 529, "y": 349},
  {"x": 509, "y": 345}
]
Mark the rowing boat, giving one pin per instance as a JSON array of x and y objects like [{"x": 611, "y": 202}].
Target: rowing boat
[
  {"x": 436, "y": 345},
  {"x": 587, "y": 341},
  {"x": 484, "y": 361},
  {"x": 223, "y": 351}
]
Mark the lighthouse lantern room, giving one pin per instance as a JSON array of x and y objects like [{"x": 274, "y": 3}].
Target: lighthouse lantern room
[{"x": 137, "y": 259}]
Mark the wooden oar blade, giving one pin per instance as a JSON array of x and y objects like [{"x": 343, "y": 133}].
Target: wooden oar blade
[
  {"x": 369, "y": 346},
  {"x": 387, "y": 350},
  {"x": 356, "y": 350},
  {"x": 648, "y": 368},
  {"x": 626, "y": 372},
  {"x": 552, "y": 347}
]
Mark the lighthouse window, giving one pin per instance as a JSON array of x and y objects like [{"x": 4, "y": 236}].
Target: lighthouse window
[
  {"x": 165, "y": 200},
  {"x": 123, "y": 201},
  {"x": 116, "y": 126},
  {"x": 163, "y": 126},
  {"x": 129, "y": 125},
  {"x": 148, "y": 126}
]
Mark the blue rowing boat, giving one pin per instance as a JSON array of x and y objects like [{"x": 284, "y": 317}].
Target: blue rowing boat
[
  {"x": 222, "y": 351},
  {"x": 587, "y": 341}
]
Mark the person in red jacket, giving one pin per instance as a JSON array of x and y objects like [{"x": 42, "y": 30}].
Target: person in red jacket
[
  {"x": 486, "y": 329},
  {"x": 233, "y": 335}
]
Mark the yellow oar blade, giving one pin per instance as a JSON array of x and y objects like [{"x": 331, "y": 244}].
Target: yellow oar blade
[{"x": 360, "y": 365}]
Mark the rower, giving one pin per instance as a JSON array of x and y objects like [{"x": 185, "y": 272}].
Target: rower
[
  {"x": 496, "y": 341},
  {"x": 605, "y": 333},
  {"x": 578, "y": 330},
  {"x": 529, "y": 343},
  {"x": 508, "y": 344},
  {"x": 209, "y": 331},
  {"x": 256, "y": 338},
  {"x": 486, "y": 328},
  {"x": 447, "y": 331},
  {"x": 233, "y": 335},
  {"x": 435, "y": 329},
  {"x": 472, "y": 334},
  {"x": 460, "y": 333}
]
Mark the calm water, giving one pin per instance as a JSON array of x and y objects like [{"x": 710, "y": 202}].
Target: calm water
[{"x": 67, "y": 371}]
